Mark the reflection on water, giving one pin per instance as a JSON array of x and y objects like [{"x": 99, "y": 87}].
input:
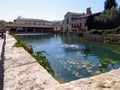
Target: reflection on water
[{"x": 73, "y": 58}]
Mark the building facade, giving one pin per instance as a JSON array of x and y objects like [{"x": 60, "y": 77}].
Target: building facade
[
  {"x": 33, "y": 25},
  {"x": 77, "y": 22},
  {"x": 69, "y": 23}
]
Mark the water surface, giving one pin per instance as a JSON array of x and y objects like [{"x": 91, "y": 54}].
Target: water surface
[{"x": 73, "y": 58}]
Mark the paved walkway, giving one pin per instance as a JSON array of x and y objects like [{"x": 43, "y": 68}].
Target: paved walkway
[{"x": 22, "y": 72}]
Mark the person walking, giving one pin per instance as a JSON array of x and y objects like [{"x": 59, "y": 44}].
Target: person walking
[{"x": 2, "y": 35}]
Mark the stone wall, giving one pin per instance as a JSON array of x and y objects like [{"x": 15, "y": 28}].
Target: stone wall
[
  {"x": 106, "y": 81},
  {"x": 23, "y": 72},
  {"x": 99, "y": 38}
]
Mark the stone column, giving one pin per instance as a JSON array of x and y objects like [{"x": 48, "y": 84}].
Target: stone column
[
  {"x": 34, "y": 29},
  {"x": 16, "y": 29},
  {"x": 49, "y": 30},
  {"x": 41, "y": 30},
  {"x": 25, "y": 29}
]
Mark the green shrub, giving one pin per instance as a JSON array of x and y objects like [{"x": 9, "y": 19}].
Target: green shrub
[
  {"x": 39, "y": 56},
  {"x": 100, "y": 32},
  {"x": 117, "y": 30},
  {"x": 108, "y": 31},
  {"x": 23, "y": 44},
  {"x": 43, "y": 61},
  {"x": 93, "y": 31}
]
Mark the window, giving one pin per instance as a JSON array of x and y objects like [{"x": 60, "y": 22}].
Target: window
[
  {"x": 80, "y": 25},
  {"x": 67, "y": 29},
  {"x": 67, "y": 21}
]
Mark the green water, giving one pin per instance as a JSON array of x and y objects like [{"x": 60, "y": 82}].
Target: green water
[{"x": 73, "y": 58}]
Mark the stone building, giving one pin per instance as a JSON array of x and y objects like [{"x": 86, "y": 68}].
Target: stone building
[
  {"x": 77, "y": 22},
  {"x": 70, "y": 22},
  {"x": 33, "y": 25}
]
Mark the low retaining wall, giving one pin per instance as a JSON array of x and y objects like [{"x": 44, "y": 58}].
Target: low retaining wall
[
  {"x": 22, "y": 72},
  {"x": 106, "y": 81},
  {"x": 99, "y": 38},
  {"x": 115, "y": 38}
]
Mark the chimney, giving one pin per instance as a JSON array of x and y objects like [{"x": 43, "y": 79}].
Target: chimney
[{"x": 88, "y": 12}]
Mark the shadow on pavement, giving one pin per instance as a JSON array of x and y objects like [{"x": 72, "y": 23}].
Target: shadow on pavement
[{"x": 2, "y": 64}]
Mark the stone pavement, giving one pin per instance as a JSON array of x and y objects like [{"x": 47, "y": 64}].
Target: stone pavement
[
  {"x": 105, "y": 81},
  {"x": 22, "y": 72}
]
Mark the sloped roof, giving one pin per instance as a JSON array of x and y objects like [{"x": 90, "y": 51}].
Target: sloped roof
[
  {"x": 74, "y": 13},
  {"x": 30, "y": 19},
  {"x": 24, "y": 25}
]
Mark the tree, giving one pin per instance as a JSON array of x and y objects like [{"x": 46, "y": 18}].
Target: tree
[
  {"x": 109, "y": 18},
  {"x": 110, "y": 3},
  {"x": 2, "y": 24}
]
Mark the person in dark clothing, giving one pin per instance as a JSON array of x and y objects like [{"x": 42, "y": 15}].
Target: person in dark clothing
[{"x": 2, "y": 34}]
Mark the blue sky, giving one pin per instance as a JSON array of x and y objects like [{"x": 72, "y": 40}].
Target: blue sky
[{"x": 46, "y": 9}]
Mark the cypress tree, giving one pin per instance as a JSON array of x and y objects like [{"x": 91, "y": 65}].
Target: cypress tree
[{"x": 110, "y": 3}]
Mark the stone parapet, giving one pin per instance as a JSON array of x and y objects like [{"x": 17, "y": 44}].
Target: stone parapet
[{"x": 23, "y": 72}]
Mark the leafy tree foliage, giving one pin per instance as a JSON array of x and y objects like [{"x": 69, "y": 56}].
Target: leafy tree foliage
[
  {"x": 2, "y": 25},
  {"x": 109, "y": 18},
  {"x": 110, "y": 4},
  {"x": 2, "y": 22}
]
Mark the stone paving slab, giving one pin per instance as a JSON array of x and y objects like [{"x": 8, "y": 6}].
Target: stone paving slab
[
  {"x": 105, "y": 81},
  {"x": 28, "y": 77},
  {"x": 22, "y": 71},
  {"x": 12, "y": 56}
]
